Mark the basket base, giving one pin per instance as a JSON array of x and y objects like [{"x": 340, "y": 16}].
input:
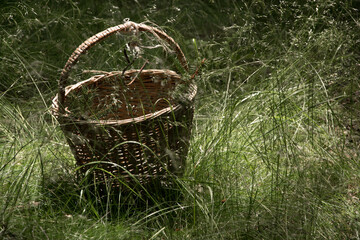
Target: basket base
[{"x": 138, "y": 155}]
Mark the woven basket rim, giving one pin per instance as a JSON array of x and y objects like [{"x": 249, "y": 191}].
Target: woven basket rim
[{"x": 173, "y": 107}]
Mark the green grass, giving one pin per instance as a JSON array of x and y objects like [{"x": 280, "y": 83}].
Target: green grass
[{"x": 274, "y": 147}]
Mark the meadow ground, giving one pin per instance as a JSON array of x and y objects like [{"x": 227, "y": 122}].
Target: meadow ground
[{"x": 274, "y": 151}]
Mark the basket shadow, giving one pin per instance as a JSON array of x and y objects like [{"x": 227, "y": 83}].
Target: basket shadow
[{"x": 81, "y": 195}]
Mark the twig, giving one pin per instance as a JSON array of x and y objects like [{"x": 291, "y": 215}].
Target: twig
[
  {"x": 126, "y": 56},
  {"x": 143, "y": 66},
  {"x": 198, "y": 68},
  {"x": 128, "y": 61}
]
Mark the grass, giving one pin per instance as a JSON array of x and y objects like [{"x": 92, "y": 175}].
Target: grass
[{"x": 274, "y": 148}]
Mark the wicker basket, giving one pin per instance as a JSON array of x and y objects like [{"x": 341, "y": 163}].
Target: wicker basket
[{"x": 136, "y": 129}]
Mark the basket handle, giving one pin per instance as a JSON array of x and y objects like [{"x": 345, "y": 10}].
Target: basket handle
[{"x": 127, "y": 27}]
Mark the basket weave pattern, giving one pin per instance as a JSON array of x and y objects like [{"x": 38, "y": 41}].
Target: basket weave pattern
[{"x": 136, "y": 132}]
